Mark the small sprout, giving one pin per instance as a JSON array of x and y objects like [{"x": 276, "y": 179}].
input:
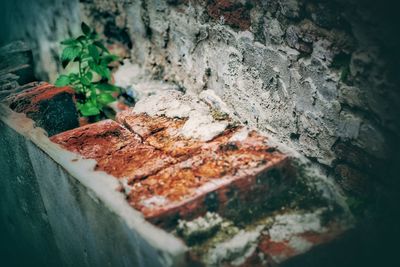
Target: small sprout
[{"x": 93, "y": 94}]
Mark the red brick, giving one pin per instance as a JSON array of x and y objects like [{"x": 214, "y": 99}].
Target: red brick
[
  {"x": 52, "y": 108},
  {"x": 28, "y": 100},
  {"x": 161, "y": 132},
  {"x": 173, "y": 177},
  {"x": 234, "y": 13},
  {"x": 222, "y": 173},
  {"x": 283, "y": 250},
  {"x": 117, "y": 151}
]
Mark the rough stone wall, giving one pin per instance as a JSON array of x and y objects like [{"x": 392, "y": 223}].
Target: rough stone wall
[
  {"x": 315, "y": 74},
  {"x": 319, "y": 75}
]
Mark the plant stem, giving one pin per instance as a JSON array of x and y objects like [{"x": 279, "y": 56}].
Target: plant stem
[{"x": 80, "y": 72}]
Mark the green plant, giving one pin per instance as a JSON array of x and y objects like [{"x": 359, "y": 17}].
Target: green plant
[{"x": 91, "y": 80}]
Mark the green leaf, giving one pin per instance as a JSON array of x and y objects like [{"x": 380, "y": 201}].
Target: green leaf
[
  {"x": 78, "y": 88},
  {"x": 93, "y": 52},
  {"x": 89, "y": 75},
  {"x": 84, "y": 55},
  {"x": 69, "y": 42},
  {"x": 70, "y": 53},
  {"x": 85, "y": 81},
  {"x": 62, "y": 80},
  {"x": 89, "y": 109},
  {"x": 105, "y": 98},
  {"x": 78, "y": 58},
  {"x": 101, "y": 70},
  {"x": 106, "y": 73},
  {"x": 93, "y": 93},
  {"x": 73, "y": 77},
  {"x": 101, "y": 46},
  {"x": 85, "y": 28},
  {"x": 107, "y": 87},
  {"x": 94, "y": 35},
  {"x": 107, "y": 59},
  {"x": 81, "y": 38},
  {"x": 109, "y": 112}
]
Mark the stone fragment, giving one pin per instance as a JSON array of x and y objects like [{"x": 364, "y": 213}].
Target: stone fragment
[
  {"x": 353, "y": 181},
  {"x": 352, "y": 96},
  {"x": 200, "y": 123},
  {"x": 349, "y": 125},
  {"x": 52, "y": 108},
  {"x": 273, "y": 31},
  {"x": 234, "y": 250},
  {"x": 294, "y": 40}
]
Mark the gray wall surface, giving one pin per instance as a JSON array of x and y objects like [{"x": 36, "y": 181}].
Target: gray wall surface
[
  {"x": 320, "y": 76},
  {"x": 42, "y": 24}
]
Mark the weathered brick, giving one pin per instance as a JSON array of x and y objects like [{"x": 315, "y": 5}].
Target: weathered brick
[
  {"x": 170, "y": 176},
  {"x": 161, "y": 132},
  {"x": 280, "y": 251},
  {"x": 183, "y": 194},
  {"x": 233, "y": 13},
  {"x": 52, "y": 108},
  {"x": 117, "y": 151},
  {"x": 226, "y": 176}
]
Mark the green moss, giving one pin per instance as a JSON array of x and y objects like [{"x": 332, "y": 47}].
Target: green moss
[
  {"x": 290, "y": 193},
  {"x": 298, "y": 193},
  {"x": 198, "y": 230},
  {"x": 218, "y": 115},
  {"x": 227, "y": 231}
]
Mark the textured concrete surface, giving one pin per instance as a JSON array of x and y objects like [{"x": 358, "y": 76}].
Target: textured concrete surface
[
  {"x": 64, "y": 215},
  {"x": 319, "y": 76},
  {"x": 313, "y": 74}
]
